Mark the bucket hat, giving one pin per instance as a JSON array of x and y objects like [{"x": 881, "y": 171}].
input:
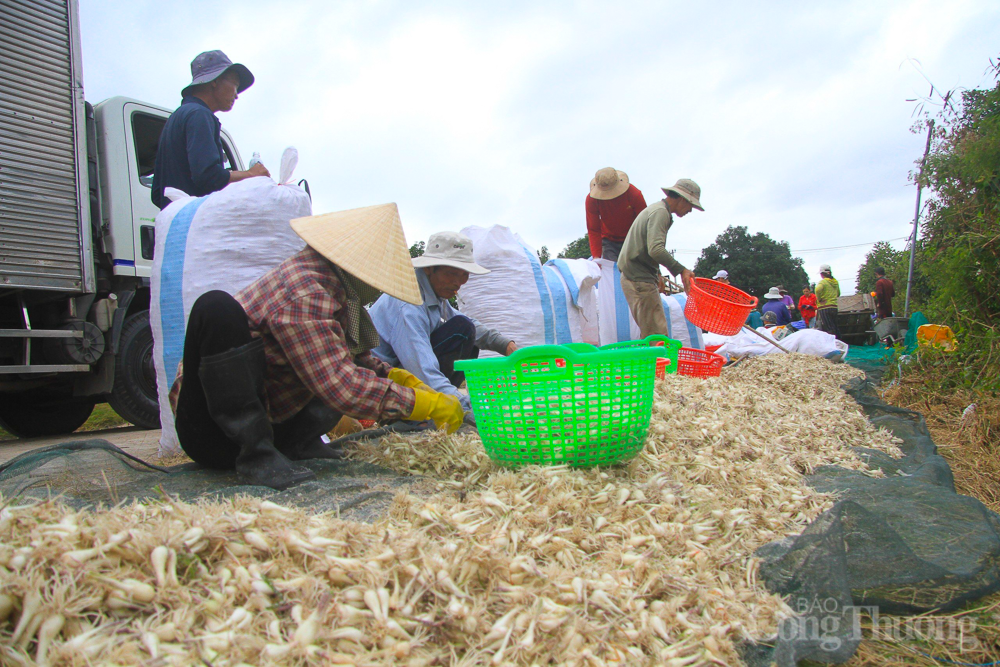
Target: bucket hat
[
  {"x": 721, "y": 274},
  {"x": 688, "y": 189},
  {"x": 608, "y": 183},
  {"x": 369, "y": 244},
  {"x": 210, "y": 65},
  {"x": 449, "y": 249},
  {"x": 773, "y": 293}
]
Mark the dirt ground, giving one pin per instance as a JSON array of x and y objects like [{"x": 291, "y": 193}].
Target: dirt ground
[{"x": 137, "y": 442}]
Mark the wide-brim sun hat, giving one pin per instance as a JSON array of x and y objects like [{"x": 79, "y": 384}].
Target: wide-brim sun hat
[
  {"x": 369, "y": 244},
  {"x": 449, "y": 249},
  {"x": 772, "y": 294},
  {"x": 210, "y": 65},
  {"x": 608, "y": 183},
  {"x": 688, "y": 189}
]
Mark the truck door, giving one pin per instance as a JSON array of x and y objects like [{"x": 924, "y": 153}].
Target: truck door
[{"x": 143, "y": 127}]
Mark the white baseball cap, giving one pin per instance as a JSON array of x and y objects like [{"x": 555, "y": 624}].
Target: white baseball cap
[
  {"x": 825, "y": 268},
  {"x": 721, "y": 274},
  {"x": 449, "y": 249}
]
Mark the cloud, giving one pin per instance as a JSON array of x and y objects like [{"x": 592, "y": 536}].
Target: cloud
[{"x": 793, "y": 118}]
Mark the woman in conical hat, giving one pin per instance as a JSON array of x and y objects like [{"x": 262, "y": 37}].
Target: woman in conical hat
[{"x": 275, "y": 367}]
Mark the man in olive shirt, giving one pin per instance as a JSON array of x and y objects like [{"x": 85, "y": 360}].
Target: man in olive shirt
[{"x": 644, "y": 250}]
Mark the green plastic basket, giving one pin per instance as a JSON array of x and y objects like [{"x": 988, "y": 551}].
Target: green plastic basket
[
  {"x": 671, "y": 348},
  {"x": 556, "y": 405}
]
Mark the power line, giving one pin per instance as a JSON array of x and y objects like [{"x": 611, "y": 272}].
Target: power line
[{"x": 687, "y": 251}]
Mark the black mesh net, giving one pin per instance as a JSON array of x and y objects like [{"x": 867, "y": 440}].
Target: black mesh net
[{"x": 902, "y": 544}]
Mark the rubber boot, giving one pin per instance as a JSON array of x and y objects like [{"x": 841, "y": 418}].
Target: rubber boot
[
  {"x": 233, "y": 382},
  {"x": 299, "y": 437}
]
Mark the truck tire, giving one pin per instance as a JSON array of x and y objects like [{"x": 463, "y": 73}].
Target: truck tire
[
  {"x": 34, "y": 416},
  {"x": 133, "y": 395}
]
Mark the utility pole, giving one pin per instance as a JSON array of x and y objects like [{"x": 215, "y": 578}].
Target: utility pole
[{"x": 916, "y": 219}]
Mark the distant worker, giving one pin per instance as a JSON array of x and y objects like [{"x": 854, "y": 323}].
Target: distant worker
[
  {"x": 787, "y": 299},
  {"x": 884, "y": 291},
  {"x": 644, "y": 250},
  {"x": 827, "y": 293},
  {"x": 722, "y": 276},
  {"x": 426, "y": 340},
  {"x": 807, "y": 306},
  {"x": 776, "y": 305},
  {"x": 612, "y": 206},
  {"x": 190, "y": 156}
]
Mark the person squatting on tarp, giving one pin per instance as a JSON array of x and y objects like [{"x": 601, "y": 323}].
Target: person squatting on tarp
[
  {"x": 426, "y": 340},
  {"x": 827, "y": 293},
  {"x": 190, "y": 155},
  {"x": 269, "y": 371},
  {"x": 612, "y": 205},
  {"x": 775, "y": 304},
  {"x": 884, "y": 291},
  {"x": 644, "y": 250}
]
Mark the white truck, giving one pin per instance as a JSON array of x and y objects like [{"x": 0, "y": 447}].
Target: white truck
[{"x": 76, "y": 232}]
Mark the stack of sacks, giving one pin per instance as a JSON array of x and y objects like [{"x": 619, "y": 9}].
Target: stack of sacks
[
  {"x": 531, "y": 303},
  {"x": 616, "y": 320},
  {"x": 223, "y": 241},
  {"x": 806, "y": 341}
]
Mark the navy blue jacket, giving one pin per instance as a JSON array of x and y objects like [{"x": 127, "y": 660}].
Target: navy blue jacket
[
  {"x": 190, "y": 155},
  {"x": 780, "y": 311}
]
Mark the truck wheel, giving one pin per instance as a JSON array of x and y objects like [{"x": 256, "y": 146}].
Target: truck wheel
[
  {"x": 33, "y": 417},
  {"x": 133, "y": 395}
]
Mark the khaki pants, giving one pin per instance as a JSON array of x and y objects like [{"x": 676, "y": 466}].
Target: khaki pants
[{"x": 646, "y": 306}]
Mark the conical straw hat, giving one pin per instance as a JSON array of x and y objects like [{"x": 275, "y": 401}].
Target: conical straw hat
[{"x": 369, "y": 244}]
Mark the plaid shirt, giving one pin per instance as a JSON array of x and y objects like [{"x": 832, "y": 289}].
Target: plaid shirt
[{"x": 296, "y": 309}]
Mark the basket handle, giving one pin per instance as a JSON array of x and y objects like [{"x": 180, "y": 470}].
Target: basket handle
[{"x": 560, "y": 362}]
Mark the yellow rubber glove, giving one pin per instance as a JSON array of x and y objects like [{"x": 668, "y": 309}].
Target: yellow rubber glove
[
  {"x": 407, "y": 379},
  {"x": 444, "y": 409}
]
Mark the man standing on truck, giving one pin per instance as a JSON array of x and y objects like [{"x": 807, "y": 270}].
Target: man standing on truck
[{"x": 190, "y": 156}]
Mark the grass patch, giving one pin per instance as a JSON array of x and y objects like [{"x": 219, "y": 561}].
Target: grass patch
[{"x": 103, "y": 417}]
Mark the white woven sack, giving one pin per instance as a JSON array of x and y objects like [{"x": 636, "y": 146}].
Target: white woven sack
[
  {"x": 616, "y": 321},
  {"x": 223, "y": 241},
  {"x": 531, "y": 303}
]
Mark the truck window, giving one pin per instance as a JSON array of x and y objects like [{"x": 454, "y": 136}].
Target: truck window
[{"x": 146, "y": 131}]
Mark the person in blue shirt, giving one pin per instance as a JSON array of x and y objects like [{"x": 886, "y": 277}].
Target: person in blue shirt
[
  {"x": 428, "y": 339},
  {"x": 190, "y": 155},
  {"x": 775, "y": 305}
]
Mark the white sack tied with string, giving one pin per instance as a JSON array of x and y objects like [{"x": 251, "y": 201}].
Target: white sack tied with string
[
  {"x": 521, "y": 298},
  {"x": 223, "y": 241},
  {"x": 616, "y": 321}
]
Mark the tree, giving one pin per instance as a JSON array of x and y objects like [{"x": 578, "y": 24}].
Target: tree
[
  {"x": 417, "y": 249},
  {"x": 961, "y": 226},
  {"x": 543, "y": 254},
  {"x": 578, "y": 249},
  {"x": 755, "y": 263}
]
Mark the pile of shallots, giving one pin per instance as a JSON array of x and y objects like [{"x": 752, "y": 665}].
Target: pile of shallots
[{"x": 648, "y": 562}]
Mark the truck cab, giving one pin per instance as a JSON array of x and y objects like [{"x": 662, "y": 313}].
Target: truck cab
[{"x": 62, "y": 351}]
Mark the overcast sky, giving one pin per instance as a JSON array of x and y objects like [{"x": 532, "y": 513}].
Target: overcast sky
[{"x": 793, "y": 117}]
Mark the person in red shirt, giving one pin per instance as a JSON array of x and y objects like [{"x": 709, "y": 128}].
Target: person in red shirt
[
  {"x": 884, "y": 291},
  {"x": 612, "y": 205},
  {"x": 807, "y": 306}
]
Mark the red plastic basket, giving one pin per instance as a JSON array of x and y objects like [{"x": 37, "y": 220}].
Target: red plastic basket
[
  {"x": 661, "y": 368},
  {"x": 712, "y": 348},
  {"x": 367, "y": 423},
  {"x": 699, "y": 363},
  {"x": 717, "y": 307}
]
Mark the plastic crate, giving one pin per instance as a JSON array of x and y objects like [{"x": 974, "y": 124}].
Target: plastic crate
[
  {"x": 555, "y": 405},
  {"x": 699, "y": 363},
  {"x": 668, "y": 346},
  {"x": 717, "y": 307}
]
